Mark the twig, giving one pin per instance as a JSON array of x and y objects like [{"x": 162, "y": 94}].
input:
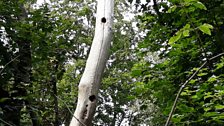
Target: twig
[
  {"x": 6, "y": 122},
  {"x": 70, "y": 111},
  {"x": 216, "y": 56},
  {"x": 183, "y": 86},
  {"x": 8, "y": 63}
]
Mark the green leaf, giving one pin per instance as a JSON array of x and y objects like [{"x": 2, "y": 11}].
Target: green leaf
[
  {"x": 184, "y": 93},
  {"x": 195, "y": 69},
  {"x": 208, "y": 25},
  {"x": 209, "y": 114},
  {"x": 172, "y": 9},
  {"x": 136, "y": 72},
  {"x": 202, "y": 74},
  {"x": 177, "y": 118},
  {"x": 187, "y": 26},
  {"x": 220, "y": 65},
  {"x": 191, "y": 9},
  {"x": 192, "y": 81},
  {"x": 131, "y": 97},
  {"x": 199, "y": 5},
  {"x": 4, "y": 99},
  {"x": 205, "y": 28},
  {"x": 207, "y": 109},
  {"x": 218, "y": 107},
  {"x": 188, "y": 1},
  {"x": 212, "y": 79},
  {"x": 194, "y": 97},
  {"x": 175, "y": 38},
  {"x": 208, "y": 95},
  {"x": 186, "y": 33}
]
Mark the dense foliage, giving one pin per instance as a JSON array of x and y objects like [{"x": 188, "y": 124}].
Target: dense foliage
[
  {"x": 184, "y": 34},
  {"x": 43, "y": 53},
  {"x": 43, "y": 49},
  {"x": 37, "y": 44}
]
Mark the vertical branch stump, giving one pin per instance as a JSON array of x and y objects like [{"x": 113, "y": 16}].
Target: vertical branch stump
[{"x": 91, "y": 78}]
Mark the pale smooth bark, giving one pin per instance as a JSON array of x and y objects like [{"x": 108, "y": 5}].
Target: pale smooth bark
[{"x": 91, "y": 78}]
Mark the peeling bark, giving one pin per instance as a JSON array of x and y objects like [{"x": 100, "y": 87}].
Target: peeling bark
[{"x": 91, "y": 78}]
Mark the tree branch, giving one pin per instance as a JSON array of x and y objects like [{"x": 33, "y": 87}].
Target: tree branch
[
  {"x": 8, "y": 63},
  {"x": 183, "y": 86},
  {"x": 69, "y": 110},
  {"x": 6, "y": 122}
]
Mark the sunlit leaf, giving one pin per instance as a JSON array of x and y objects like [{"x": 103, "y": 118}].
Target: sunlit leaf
[
  {"x": 208, "y": 95},
  {"x": 172, "y": 9},
  {"x": 188, "y": 1},
  {"x": 199, "y": 5},
  {"x": 187, "y": 26},
  {"x": 183, "y": 93},
  {"x": 192, "y": 81},
  {"x": 218, "y": 107},
  {"x": 207, "y": 109},
  {"x": 202, "y": 74},
  {"x": 186, "y": 33},
  {"x": 175, "y": 38},
  {"x": 209, "y": 114},
  {"x": 212, "y": 79},
  {"x": 205, "y": 28}
]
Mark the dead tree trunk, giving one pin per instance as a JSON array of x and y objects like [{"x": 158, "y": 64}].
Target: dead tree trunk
[{"x": 91, "y": 78}]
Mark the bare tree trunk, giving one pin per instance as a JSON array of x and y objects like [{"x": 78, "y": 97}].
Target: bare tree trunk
[{"x": 91, "y": 78}]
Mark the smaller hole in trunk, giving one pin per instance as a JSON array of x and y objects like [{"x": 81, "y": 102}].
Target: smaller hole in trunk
[
  {"x": 84, "y": 114},
  {"x": 103, "y": 20},
  {"x": 92, "y": 98}
]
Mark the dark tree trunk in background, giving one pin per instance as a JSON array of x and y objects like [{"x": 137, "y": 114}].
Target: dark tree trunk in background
[{"x": 55, "y": 94}]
